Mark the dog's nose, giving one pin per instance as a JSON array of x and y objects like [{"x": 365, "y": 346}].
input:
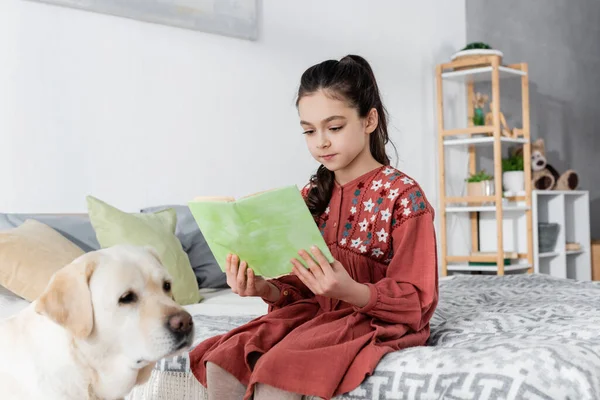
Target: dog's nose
[{"x": 180, "y": 323}]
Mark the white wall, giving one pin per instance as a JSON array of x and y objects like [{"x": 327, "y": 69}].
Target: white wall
[{"x": 141, "y": 114}]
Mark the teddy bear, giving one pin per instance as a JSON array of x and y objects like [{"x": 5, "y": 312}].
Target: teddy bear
[{"x": 545, "y": 176}]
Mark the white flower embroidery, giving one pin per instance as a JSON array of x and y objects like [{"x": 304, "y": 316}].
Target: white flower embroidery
[
  {"x": 353, "y": 210},
  {"x": 327, "y": 210},
  {"x": 388, "y": 171},
  {"x": 404, "y": 202},
  {"x": 382, "y": 235},
  {"x": 356, "y": 242},
  {"x": 393, "y": 194},
  {"x": 386, "y": 214},
  {"x": 363, "y": 249},
  {"x": 376, "y": 185},
  {"x": 387, "y": 185},
  {"x": 369, "y": 205},
  {"x": 407, "y": 181},
  {"x": 377, "y": 252},
  {"x": 407, "y": 211},
  {"x": 373, "y": 217},
  {"x": 343, "y": 242},
  {"x": 363, "y": 225}
]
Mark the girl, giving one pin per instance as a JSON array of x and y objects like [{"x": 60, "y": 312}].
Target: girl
[{"x": 328, "y": 326}]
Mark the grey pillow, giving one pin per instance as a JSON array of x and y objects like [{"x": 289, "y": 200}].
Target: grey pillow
[
  {"x": 207, "y": 270},
  {"x": 75, "y": 227}
]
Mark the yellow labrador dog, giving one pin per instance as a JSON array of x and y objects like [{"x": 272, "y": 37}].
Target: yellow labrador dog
[{"x": 97, "y": 330}]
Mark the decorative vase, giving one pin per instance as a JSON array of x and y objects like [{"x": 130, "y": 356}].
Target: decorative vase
[
  {"x": 479, "y": 189},
  {"x": 513, "y": 181},
  {"x": 479, "y": 117}
]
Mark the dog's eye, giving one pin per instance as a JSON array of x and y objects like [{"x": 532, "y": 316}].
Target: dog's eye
[
  {"x": 128, "y": 298},
  {"x": 167, "y": 286}
]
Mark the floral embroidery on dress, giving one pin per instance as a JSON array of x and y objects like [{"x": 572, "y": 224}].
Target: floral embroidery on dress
[
  {"x": 374, "y": 208},
  {"x": 353, "y": 211}
]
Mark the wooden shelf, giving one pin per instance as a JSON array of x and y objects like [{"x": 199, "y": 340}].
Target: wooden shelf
[
  {"x": 482, "y": 74},
  {"x": 471, "y": 199},
  {"x": 483, "y": 209},
  {"x": 476, "y": 258},
  {"x": 549, "y": 254},
  {"x": 474, "y": 130},
  {"x": 486, "y": 268},
  {"x": 459, "y": 209},
  {"x": 482, "y": 141},
  {"x": 561, "y": 192}
]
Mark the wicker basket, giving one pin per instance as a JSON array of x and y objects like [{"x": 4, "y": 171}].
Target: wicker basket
[{"x": 547, "y": 234}]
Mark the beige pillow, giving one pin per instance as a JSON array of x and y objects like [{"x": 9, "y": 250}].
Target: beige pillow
[{"x": 30, "y": 254}]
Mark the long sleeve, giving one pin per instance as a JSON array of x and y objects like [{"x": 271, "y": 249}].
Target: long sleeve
[
  {"x": 408, "y": 294},
  {"x": 291, "y": 289}
]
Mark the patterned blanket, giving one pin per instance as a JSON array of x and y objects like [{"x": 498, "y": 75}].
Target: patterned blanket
[{"x": 512, "y": 337}]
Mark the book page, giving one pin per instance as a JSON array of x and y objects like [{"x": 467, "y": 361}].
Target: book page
[{"x": 266, "y": 230}]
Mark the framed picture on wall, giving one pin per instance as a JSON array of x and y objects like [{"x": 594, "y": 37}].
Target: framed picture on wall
[{"x": 236, "y": 18}]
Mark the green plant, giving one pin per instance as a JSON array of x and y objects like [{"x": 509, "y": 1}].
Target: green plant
[
  {"x": 513, "y": 163},
  {"x": 479, "y": 177},
  {"x": 477, "y": 45}
]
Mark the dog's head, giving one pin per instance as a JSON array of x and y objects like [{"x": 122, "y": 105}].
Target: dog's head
[{"x": 119, "y": 300}]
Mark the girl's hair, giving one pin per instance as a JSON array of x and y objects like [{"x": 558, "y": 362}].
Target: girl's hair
[{"x": 350, "y": 79}]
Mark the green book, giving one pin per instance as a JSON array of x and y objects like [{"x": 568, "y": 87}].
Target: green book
[{"x": 265, "y": 229}]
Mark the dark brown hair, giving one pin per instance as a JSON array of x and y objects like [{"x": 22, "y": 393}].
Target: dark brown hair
[{"x": 350, "y": 79}]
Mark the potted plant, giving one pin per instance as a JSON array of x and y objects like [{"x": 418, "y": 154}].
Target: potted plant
[
  {"x": 478, "y": 104},
  {"x": 480, "y": 184},
  {"x": 513, "y": 174}
]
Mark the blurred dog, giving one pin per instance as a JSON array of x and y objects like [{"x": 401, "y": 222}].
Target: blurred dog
[{"x": 97, "y": 331}]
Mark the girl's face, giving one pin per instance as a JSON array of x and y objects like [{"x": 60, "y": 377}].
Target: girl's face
[{"x": 335, "y": 134}]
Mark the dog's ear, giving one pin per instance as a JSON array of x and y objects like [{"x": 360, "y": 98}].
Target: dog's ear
[{"x": 67, "y": 299}]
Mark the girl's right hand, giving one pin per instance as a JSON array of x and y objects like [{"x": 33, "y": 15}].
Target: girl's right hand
[{"x": 242, "y": 280}]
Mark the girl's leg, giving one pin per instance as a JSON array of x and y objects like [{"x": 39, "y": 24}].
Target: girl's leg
[
  {"x": 221, "y": 385},
  {"x": 266, "y": 392}
]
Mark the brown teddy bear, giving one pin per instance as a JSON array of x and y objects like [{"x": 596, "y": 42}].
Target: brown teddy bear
[{"x": 544, "y": 176}]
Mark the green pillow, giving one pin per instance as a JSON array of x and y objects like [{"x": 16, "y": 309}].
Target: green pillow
[{"x": 114, "y": 227}]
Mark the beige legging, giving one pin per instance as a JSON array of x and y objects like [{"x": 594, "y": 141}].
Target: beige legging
[{"x": 221, "y": 385}]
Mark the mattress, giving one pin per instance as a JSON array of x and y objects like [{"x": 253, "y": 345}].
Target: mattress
[
  {"x": 492, "y": 337},
  {"x": 512, "y": 337}
]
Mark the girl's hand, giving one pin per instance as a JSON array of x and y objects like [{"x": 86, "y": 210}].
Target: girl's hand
[
  {"x": 242, "y": 280},
  {"x": 330, "y": 280}
]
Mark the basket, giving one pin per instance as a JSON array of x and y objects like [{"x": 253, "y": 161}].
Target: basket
[{"x": 547, "y": 234}]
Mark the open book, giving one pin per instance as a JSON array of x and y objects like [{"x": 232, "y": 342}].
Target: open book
[{"x": 264, "y": 229}]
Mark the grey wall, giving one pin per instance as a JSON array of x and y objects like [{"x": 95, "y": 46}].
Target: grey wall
[{"x": 560, "y": 40}]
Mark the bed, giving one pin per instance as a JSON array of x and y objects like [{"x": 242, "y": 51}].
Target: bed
[{"x": 512, "y": 337}]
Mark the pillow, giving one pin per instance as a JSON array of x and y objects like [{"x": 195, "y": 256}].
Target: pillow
[
  {"x": 205, "y": 266},
  {"x": 114, "y": 227},
  {"x": 75, "y": 227},
  {"x": 30, "y": 254}
]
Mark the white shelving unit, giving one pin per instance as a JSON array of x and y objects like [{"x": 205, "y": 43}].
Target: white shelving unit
[
  {"x": 495, "y": 209},
  {"x": 571, "y": 211}
]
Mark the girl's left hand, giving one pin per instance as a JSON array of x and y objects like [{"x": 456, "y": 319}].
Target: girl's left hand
[{"x": 323, "y": 278}]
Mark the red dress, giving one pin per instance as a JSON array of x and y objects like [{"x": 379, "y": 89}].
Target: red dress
[{"x": 380, "y": 227}]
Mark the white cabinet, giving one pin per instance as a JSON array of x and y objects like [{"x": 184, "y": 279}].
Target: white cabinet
[{"x": 571, "y": 211}]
